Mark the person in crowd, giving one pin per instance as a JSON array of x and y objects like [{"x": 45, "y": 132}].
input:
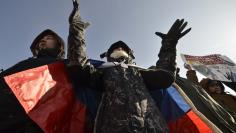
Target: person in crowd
[
  {"x": 46, "y": 48},
  {"x": 126, "y": 104},
  {"x": 216, "y": 90}
]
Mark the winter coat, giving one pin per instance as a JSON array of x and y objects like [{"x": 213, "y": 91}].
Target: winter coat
[
  {"x": 13, "y": 115},
  {"x": 126, "y": 104}
]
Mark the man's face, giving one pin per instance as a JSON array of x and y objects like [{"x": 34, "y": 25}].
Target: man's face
[
  {"x": 215, "y": 88},
  {"x": 48, "y": 41}
]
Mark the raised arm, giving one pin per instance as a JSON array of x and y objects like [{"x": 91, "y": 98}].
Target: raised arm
[
  {"x": 191, "y": 74},
  {"x": 76, "y": 40},
  {"x": 78, "y": 66},
  {"x": 164, "y": 73},
  {"x": 167, "y": 54}
]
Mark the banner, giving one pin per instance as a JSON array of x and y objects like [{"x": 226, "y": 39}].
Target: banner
[{"x": 215, "y": 66}]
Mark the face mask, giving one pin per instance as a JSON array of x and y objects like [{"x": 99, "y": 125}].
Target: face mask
[{"x": 119, "y": 54}]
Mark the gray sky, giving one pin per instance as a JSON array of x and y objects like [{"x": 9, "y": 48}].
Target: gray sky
[{"x": 133, "y": 21}]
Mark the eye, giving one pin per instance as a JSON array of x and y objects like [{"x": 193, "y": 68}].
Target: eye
[{"x": 42, "y": 42}]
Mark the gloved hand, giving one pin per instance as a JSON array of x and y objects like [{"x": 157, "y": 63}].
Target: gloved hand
[
  {"x": 175, "y": 32},
  {"x": 167, "y": 54},
  {"x": 75, "y": 16},
  {"x": 75, "y": 8},
  {"x": 75, "y": 4}
]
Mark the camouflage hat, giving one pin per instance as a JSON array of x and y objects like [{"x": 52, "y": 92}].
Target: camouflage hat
[
  {"x": 117, "y": 45},
  {"x": 35, "y": 48}
]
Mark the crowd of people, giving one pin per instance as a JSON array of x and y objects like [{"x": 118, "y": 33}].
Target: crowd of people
[
  {"x": 215, "y": 88},
  {"x": 126, "y": 105}
]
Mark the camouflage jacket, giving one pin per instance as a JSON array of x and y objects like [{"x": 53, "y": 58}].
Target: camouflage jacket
[{"x": 126, "y": 104}]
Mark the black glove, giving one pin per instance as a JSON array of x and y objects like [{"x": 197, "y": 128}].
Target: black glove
[
  {"x": 175, "y": 32},
  {"x": 167, "y": 54}
]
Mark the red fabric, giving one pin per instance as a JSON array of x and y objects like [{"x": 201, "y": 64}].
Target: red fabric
[
  {"x": 189, "y": 123},
  {"x": 47, "y": 97}
]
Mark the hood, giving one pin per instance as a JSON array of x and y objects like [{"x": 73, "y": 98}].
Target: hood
[
  {"x": 34, "y": 46},
  {"x": 206, "y": 81}
]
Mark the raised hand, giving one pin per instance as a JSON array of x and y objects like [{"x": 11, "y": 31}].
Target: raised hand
[
  {"x": 167, "y": 54},
  {"x": 187, "y": 66},
  {"x": 176, "y": 31},
  {"x": 75, "y": 4},
  {"x": 75, "y": 8}
]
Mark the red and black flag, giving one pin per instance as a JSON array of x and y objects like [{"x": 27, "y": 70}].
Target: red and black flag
[{"x": 48, "y": 99}]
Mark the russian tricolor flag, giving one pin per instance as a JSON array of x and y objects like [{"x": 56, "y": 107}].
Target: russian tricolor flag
[{"x": 178, "y": 113}]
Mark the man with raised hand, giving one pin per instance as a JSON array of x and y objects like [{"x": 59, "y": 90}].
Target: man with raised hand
[{"x": 126, "y": 104}]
